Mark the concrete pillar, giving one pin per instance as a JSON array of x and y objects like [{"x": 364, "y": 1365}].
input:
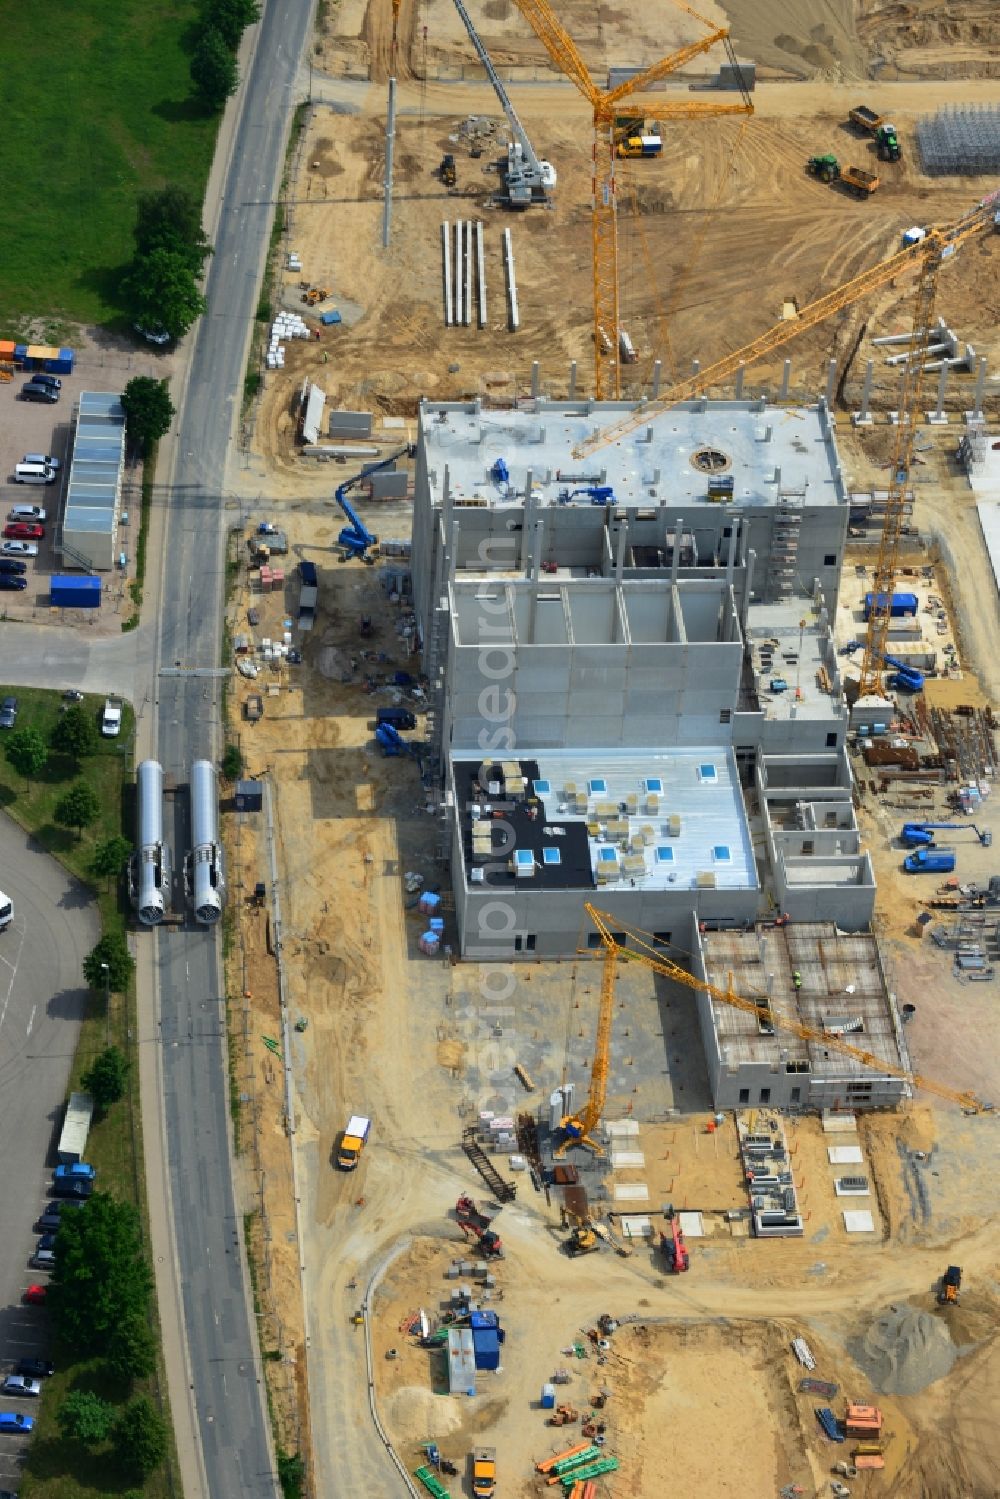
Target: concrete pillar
[
  {"x": 675, "y": 564},
  {"x": 751, "y": 564},
  {"x": 731, "y": 557},
  {"x": 777, "y": 474},
  {"x": 572, "y": 379},
  {"x": 831, "y": 382},
  {"x": 976, "y": 413},
  {"x": 863, "y": 417},
  {"x": 786, "y": 375},
  {"x": 937, "y": 417},
  {"x": 622, "y": 543},
  {"x": 657, "y": 370},
  {"x": 695, "y": 367},
  {"x": 740, "y": 373},
  {"x": 527, "y": 529},
  {"x": 534, "y": 379},
  {"x": 458, "y": 292}
]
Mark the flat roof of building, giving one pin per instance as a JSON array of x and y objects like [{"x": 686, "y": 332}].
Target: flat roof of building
[
  {"x": 794, "y": 666},
  {"x": 606, "y": 819},
  {"x": 766, "y": 452},
  {"x": 95, "y": 473},
  {"x": 843, "y": 987}
]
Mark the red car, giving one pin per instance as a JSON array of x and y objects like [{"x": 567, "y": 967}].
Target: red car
[
  {"x": 20, "y": 530},
  {"x": 35, "y": 1295}
]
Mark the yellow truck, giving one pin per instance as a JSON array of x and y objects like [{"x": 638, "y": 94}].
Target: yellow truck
[
  {"x": 353, "y": 1142},
  {"x": 484, "y": 1472}
]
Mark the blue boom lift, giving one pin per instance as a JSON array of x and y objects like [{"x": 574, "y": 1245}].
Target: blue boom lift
[{"x": 355, "y": 538}]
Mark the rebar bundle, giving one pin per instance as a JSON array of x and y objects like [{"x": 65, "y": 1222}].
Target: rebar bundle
[{"x": 962, "y": 140}]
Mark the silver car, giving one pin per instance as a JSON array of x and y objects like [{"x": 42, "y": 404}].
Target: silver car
[
  {"x": 19, "y": 1384},
  {"x": 19, "y": 549}
]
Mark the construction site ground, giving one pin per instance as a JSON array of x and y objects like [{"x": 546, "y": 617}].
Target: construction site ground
[{"x": 702, "y": 1386}]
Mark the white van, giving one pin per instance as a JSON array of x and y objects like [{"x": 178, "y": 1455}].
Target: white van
[
  {"x": 6, "y": 911},
  {"x": 34, "y": 473}
]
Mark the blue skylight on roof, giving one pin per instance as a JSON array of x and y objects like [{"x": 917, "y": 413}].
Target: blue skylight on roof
[
  {"x": 598, "y": 786},
  {"x": 523, "y": 857},
  {"x": 542, "y": 788},
  {"x": 608, "y": 855},
  {"x": 722, "y": 853},
  {"x": 707, "y": 772},
  {"x": 654, "y": 784},
  {"x": 551, "y": 856},
  {"x": 664, "y": 855}
]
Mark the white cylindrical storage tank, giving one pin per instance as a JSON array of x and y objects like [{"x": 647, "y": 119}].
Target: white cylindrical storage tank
[
  {"x": 207, "y": 884},
  {"x": 151, "y": 884}
]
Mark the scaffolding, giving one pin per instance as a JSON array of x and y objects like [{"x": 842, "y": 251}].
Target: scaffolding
[{"x": 962, "y": 140}]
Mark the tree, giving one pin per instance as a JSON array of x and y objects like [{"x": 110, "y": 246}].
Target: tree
[
  {"x": 132, "y": 1354},
  {"x": 112, "y": 950},
  {"x": 140, "y": 1436},
  {"x": 110, "y": 856},
  {"x": 163, "y": 292},
  {"x": 101, "y": 1279},
  {"x": 170, "y": 219},
  {"x": 213, "y": 70},
  {"x": 106, "y": 1077},
  {"x": 148, "y": 410},
  {"x": 79, "y": 808},
  {"x": 75, "y": 733},
  {"x": 27, "y": 752},
  {"x": 230, "y": 18},
  {"x": 85, "y": 1417},
  {"x": 232, "y": 762}
]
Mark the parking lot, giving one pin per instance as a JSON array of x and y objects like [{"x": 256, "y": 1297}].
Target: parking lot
[
  {"x": 42, "y": 1000},
  {"x": 30, "y": 427}
]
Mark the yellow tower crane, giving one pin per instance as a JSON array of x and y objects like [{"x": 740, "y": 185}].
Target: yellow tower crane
[
  {"x": 609, "y": 105},
  {"x": 644, "y": 948},
  {"x": 927, "y": 257}
]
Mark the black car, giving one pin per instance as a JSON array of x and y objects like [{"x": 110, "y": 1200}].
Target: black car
[
  {"x": 35, "y": 392},
  {"x": 12, "y": 567},
  {"x": 48, "y": 1222},
  {"x": 49, "y": 380},
  {"x": 35, "y": 1368},
  {"x": 8, "y": 713},
  {"x": 47, "y": 1241},
  {"x": 12, "y": 582},
  {"x": 70, "y": 1186}
]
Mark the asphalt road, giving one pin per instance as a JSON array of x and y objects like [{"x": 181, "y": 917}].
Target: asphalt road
[
  {"x": 42, "y": 1000},
  {"x": 228, "y": 1389}
]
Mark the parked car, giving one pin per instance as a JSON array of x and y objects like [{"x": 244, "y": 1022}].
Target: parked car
[
  {"x": 47, "y": 1241},
  {"x": 72, "y": 695},
  {"x": 18, "y": 548},
  {"x": 43, "y": 1259},
  {"x": 52, "y": 381},
  {"x": 45, "y": 459},
  {"x": 11, "y": 568},
  {"x": 153, "y": 334},
  {"x": 34, "y": 392},
  {"x": 74, "y": 1186},
  {"x": 19, "y": 1384},
  {"x": 11, "y": 582},
  {"x": 14, "y": 1421},
  {"x": 34, "y": 513},
  {"x": 35, "y": 1368},
  {"x": 8, "y": 713},
  {"x": 74, "y": 1171},
  {"x": 48, "y": 1222},
  {"x": 22, "y": 530}
]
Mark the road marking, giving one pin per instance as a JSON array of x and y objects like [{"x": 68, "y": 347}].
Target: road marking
[
  {"x": 13, "y": 975},
  {"x": 31, "y": 1019}
]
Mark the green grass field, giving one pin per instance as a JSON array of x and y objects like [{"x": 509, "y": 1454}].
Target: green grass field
[
  {"x": 96, "y": 110},
  {"x": 57, "y": 1468}
]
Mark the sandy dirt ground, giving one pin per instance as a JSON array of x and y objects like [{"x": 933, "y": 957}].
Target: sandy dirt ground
[{"x": 701, "y": 1385}]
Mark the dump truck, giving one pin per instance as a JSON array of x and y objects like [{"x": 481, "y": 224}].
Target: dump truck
[
  {"x": 484, "y": 1472},
  {"x": 950, "y": 1286},
  {"x": 353, "y": 1142},
  {"x": 861, "y": 183},
  {"x": 866, "y": 119},
  {"x": 934, "y": 860},
  {"x": 640, "y": 145}
]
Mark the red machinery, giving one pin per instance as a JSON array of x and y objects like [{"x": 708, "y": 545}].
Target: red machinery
[
  {"x": 674, "y": 1248},
  {"x": 472, "y": 1221}
]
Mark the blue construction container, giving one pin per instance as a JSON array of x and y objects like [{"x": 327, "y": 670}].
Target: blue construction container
[
  {"x": 902, "y": 604},
  {"x": 63, "y": 365},
  {"x": 486, "y": 1345},
  {"x": 68, "y": 592},
  {"x": 329, "y": 317},
  {"x": 20, "y": 353}
]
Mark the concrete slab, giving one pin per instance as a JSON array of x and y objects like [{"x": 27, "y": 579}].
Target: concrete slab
[
  {"x": 844, "y": 1155},
  {"x": 620, "y": 1128},
  {"x": 839, "y": 1124},
  {"x": 636, "y": 1226},
  {"x": 623, "y": 1160},
  {"x": 858, "y": 1222},
  {"x": 631, "y": 1192},
  {"x": 692, "y": 1225}
]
